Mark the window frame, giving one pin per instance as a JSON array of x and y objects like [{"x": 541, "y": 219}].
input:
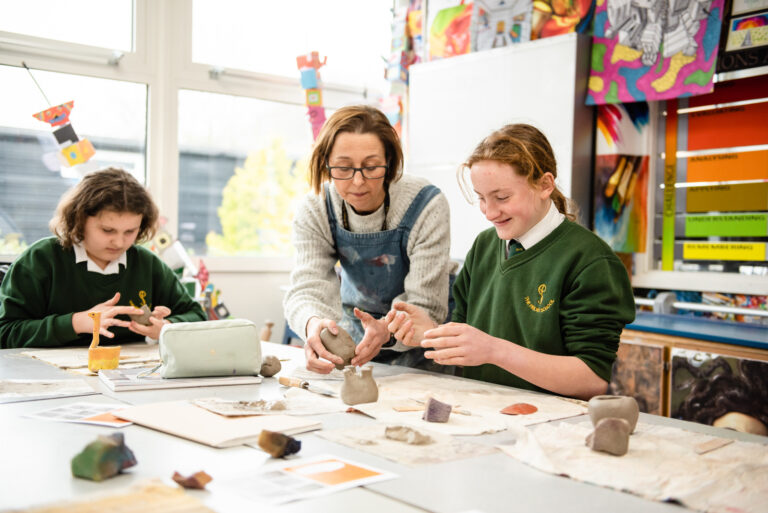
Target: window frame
[{"x": 162, "y": 60}]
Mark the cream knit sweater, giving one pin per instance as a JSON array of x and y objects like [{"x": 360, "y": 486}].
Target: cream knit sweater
[{"x": 315, "y": 289}]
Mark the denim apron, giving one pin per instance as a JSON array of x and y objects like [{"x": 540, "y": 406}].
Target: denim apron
[{"x": 373, "y": 270}]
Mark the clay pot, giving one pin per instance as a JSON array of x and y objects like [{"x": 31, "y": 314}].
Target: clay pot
[
  {"x": 615, "y": 406},
  {"x": 611, "y": 435},
  {"x": 342, "y": 345},
  {"x": 359, "y": 386}
]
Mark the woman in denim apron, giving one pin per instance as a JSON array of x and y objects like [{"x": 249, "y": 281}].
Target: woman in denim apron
[{"x": 389, "y": 234}]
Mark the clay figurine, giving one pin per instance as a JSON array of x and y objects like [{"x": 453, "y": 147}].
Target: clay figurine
[
  {"x": 341, "y": 345},
  {"x": 359, "y": 386},
  {"x": 142, "y": 318},
  {"x": 407, "y": 435},
  {"x": 196, "y": 481},
  {"x": 270, "y": 366},
  {"x": 611, "y": 435},
  {"x": 266, "y": 332},
  {"x": 435, "y": 411},
  {"x": 277, "y": 444},
  {"x": 103, "y": 458},
  {"x": 617, "y": 406}
]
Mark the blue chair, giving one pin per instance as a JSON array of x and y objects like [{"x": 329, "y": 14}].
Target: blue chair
[{"x": 289, "y": 334}]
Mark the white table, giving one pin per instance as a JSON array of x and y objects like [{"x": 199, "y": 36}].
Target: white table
[{"x": 35, "y": 458}]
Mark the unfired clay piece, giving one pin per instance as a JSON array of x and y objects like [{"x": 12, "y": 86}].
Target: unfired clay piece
[
  {"x": 519, "y": 409},
  {"x": 270, "y": 366},
  {"x": 615, "y": 406},
  {"x": 359, "y": 386},
  {"x": 277, "y": 444},
  {"x": 144, "y": 317},
  {"x": 407, "y": 435},
  {"x": 341, "y": 345},
  {"x": 611, "y": 435},
  {"x": 435, "y": 411}
]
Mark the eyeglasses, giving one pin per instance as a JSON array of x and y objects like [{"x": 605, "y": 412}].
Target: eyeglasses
[{"x": 348, "y": 172}]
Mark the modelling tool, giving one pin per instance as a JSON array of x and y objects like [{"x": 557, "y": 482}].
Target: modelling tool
[
  {"x": 299, "y": 383},
  {"x": 101, "y": 357}
]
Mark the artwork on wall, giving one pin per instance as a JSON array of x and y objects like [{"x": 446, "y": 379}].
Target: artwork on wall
[
  {"x": 498, "y": 23},
  {"x": 653, "y": 51},
  {"x": 637, "y": 372},
  {"x": 744, "y": 40},
  {"x": 621, "y": 176},
  {"x": 448, "y": 28},
  {"x": 556, "y": 17}
]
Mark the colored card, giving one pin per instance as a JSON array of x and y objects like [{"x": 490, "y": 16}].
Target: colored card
[
  {"x": 727, "y": 225},
  {"x": 314, "y": 97},
  {"x": 728, "y": 198},
  {"x": 748, "y": 165},
  {"x": 308, "y": 78},
  {"x": 741, "y": 251},
  {"x": 79, "y": 152},
  {"x": 746, "y": 126},
  {"x": 640, "y": 52}
]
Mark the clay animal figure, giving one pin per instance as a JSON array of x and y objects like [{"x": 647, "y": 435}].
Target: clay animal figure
[
  {"x": 617, "y": 406},
  {"x": 611, "y": 435},
  {"x": 270, "y": 366},
  {"x": 359, "y": 386},
  {"x": 142, "y": 318},
  {"x": 436, "y": 411},
  {"x": 103, "y": 458},
  {"x": 342, "y": 345}
]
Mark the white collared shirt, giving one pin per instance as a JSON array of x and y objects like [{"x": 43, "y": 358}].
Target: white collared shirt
[
  {"x": 112, "y": 268},
  {"x": 547, "y": 225}
]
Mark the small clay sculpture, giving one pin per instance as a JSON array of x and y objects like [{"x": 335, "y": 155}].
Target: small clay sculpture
[
  {"x": 519, "y": 409},
  {"x": 435, "y": 411},
  {"x": 611, "y": 435},
  {"x": 359, "y": 386},
  {"x": 103, "y": 458},
  {"x": 142, "y": 318},
  {"x": 270, "y": 366},
  {"x": 277, "y": 444},
  {"x": 616, "y": 406},
  {"x": 196, "y": 481},
  {"x": 342, "y": 345},
  {"x": 266, "y": 332},
  {"x": 407, "y": 435}
]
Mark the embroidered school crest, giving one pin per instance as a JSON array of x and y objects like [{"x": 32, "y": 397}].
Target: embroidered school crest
[{"x": 538, "y": 308}]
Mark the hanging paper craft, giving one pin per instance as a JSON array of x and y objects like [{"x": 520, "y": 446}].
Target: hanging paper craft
[
  {"x": 309, "y": 66},
  {"x": 653, "y": 52},
  {"x": 73, "y": 150}
]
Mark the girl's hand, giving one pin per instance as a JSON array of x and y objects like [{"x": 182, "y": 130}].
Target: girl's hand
[
  {"x": 408, "y": 323},
  {"x": 81, "y": 323},
  {"x": 314, "y": 348},
  {"x": 157, "y": 321},
  {"x": 460, "y": 344},
  {"x": 376, "y": 335}
]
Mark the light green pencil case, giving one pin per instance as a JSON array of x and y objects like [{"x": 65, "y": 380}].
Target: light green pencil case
[{"x": 228, "y": 347}]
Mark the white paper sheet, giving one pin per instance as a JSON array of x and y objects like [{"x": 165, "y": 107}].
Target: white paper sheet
[
  {"x": 83, "y": 413},
  {"x": 76, "y": 358},
  {"x": 14, "y": 390}
]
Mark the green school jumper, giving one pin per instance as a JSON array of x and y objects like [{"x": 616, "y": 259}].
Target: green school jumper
[
  {"x": 45, "y": 286},
  {"x": 569, "y": 294}
]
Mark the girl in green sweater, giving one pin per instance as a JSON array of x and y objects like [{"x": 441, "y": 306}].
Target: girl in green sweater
[
  {"x": 540, "y": 301},
  {"x": 92, "y": 264}
]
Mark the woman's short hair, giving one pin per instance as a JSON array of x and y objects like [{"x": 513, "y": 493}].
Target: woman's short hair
[
  {"x": 109, "y": 189},
  {"x": 356, "y": 119},
  {"x": 527, "y": 151}
]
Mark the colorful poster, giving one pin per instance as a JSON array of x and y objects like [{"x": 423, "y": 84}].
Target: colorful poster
[
  {"x": 621, "y": 176},
  {"x": 449, "y": 28},
  {"x": 653, "y": 51},
  {"x": 744, "y": 40},
  {"x": 499, "y": 23},
  {"x": 746, "y": 127},
  {"x": 556, "y": 17}
]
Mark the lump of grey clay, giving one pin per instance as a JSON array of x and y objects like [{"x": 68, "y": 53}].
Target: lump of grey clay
[
  {"x": 342, "y": 345},
  {"x": 142, "y": 318},
  {"x": 614, "y": 406},
  {"x": 435, "y": 411},
  {"x": 359, "y": 386},
  {"x": 407, "y": 435},
  {"x": 270, "y": 366},
  {"x": 611, "y": 435}
]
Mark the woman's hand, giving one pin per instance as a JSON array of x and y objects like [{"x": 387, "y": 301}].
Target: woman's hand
[
  {"x": 408, "y": 323},
  {"x": 461, "y": 344},
  {"x": 81, "y": 323},
  {"x": 376, "y": 335},
  {"x": 157, "y": 321},
  {"x": 314, "y": 348}
]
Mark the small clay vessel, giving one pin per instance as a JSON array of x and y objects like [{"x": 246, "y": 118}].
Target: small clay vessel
[
  {"x": 611, "y": 435},
  {"x": 616, "y": 406},
  {"x": 359, "y": 386},
  {"x": 436, "y": 411},
  {"x": 142, "y": 318},
  {"x": 270, "y": 366},
  {"x": 342, "y": 345}
]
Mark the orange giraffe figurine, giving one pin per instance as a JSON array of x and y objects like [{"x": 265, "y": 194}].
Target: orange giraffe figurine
[{"x": 101, "y": 357}]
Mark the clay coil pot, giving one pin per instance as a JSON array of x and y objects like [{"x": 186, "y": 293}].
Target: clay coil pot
[
  {"x": 614, "y": 406},
  {"x": 359, "y": 386}
]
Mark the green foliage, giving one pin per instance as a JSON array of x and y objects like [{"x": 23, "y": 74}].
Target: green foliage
[
  {"x": 258, "y": 204},
  {"x": 11, "y": 244}
]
